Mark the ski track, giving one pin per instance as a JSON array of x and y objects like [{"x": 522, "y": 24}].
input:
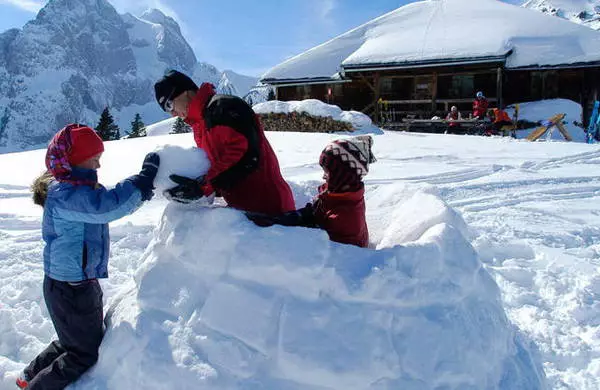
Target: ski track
[
  {"x": 540, "y": 290},
  {"x": 539, "y": 269}
]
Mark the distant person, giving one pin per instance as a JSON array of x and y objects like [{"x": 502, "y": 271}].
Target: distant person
[
  {"x": 480, "y": 106},
  {"x": 339, "y": 208},
  {"x": 500, "y": 119},
  {"x": 453, "y": 115},
  {"x": 77, "y": 211},
  {"x": 244, "y": 168}
]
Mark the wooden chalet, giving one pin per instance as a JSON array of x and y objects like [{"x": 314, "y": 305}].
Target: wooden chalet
[{"x": 424, "y": 81}]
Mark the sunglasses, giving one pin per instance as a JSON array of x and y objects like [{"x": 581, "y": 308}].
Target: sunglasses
[{"x": 169, "y": 102}]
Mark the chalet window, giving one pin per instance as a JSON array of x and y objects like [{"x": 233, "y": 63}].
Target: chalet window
[
  {"x": 536, "y": 86},
  {"x": 463, "y": 86},
  {"x": 396, "y": 88},
  {"x": 551, "y": 85},
  {"x": 423, "y": 87},
  {"x": 303, "y": 92}
]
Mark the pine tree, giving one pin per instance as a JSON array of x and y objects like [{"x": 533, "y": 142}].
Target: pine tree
[
  {"x": 271, "y": 95},
  {"x": 138, "y": 129},
  {"x": 107, "y": 128},
  {"x": 180, "y": 127}
]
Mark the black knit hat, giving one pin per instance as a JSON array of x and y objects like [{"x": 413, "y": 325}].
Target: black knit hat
[{"x": 171, "y": 85}]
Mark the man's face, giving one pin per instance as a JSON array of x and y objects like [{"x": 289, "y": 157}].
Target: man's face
[{"x": 179, "y": 105}]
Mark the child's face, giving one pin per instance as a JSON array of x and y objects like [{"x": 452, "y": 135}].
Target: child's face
[{"x": 91, "y": 163}]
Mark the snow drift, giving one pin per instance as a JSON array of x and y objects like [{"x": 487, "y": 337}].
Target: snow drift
[{"x": 221, "y": 303}]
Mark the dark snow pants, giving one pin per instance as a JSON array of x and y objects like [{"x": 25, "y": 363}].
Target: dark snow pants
[{"x": 76, "y": 312}]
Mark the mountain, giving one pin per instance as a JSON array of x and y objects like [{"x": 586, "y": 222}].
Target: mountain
[
  {"x": 79, "y": 56},
  {"x": 236, "y": 84},
  {"x": 585, "y": 12}
]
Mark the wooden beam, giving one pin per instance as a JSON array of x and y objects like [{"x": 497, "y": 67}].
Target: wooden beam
[
  {"x": 376, "y": 95},
  {"x": 366, "y": 81},
  {"x": 434, "y": 91},
  {"x": 499, "y": 81}
]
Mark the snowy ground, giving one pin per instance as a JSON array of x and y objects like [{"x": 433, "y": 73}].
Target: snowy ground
[{"x": 530, "y": 211}]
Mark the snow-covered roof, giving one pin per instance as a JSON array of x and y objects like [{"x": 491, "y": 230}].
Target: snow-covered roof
[{"x": 440, "y": 31}]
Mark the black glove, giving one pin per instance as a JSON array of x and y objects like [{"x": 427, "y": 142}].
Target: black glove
[
  {"x": 145, "y": 179},
  {"x": 303, "y": 217},
  {"x": 187, "y": 190}
]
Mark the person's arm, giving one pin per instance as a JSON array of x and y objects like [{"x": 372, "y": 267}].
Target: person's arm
[
  {"x": 234, "y": 147},
  {"x": 302, "y": 217},
  {"x": 100, "y": 205}
]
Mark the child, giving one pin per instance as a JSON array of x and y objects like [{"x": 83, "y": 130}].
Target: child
[
  {"x": 77, "y": 211},
  {"x": 339, "y": 208}
]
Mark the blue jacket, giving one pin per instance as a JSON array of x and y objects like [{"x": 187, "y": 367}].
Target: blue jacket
[{"x": 75, "y": 225}]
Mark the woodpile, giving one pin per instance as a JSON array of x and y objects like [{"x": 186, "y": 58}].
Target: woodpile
[{"x": 302, "y": 122}]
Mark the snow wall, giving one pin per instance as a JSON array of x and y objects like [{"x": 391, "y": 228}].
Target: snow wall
[{"x": 219, "y": 303}]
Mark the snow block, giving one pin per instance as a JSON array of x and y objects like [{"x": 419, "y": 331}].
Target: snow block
[
  {"x": 184, "y": 161},
  {"x": 221, "y": 303}
]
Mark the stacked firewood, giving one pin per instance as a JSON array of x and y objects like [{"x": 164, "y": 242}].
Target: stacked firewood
[{"x": 303, "y": 122}]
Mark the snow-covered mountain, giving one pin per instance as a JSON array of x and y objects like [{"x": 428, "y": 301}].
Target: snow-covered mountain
[
  {"x": 586, "y": 12},
  {"x": 77, "y": 57},
  {"x": 236, "y": 84}
]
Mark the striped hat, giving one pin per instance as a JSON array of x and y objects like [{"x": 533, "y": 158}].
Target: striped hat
[{"x": 346, "y": 162}]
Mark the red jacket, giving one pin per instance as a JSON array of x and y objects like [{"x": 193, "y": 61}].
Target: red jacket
[
  {"x": 264, "y": 190},
  {"x": 480, "y": 107},
  {"x": 342, "y": 216}
]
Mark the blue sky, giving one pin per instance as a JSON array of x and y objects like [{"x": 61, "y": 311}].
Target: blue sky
[{"x": 247, "y": 36}]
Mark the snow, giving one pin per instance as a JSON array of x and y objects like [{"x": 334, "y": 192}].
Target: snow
[
  {"x": 570, "y": 9},
  {"x": 484, "y": 268},
  {"x": 448, "y": 30},
  {"x": 543, "y": 110},
  {"x": 315, "y": 107},
  {"x": 184, "y": 161},
  {"x": 163, "y": 127}
]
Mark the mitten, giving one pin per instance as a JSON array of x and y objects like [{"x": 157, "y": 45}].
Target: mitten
[{"x": 145, "y": 179}]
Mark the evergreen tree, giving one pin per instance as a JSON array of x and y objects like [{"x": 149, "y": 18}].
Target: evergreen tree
[
  {"x": 138, "y": 129},
  {"x": 271, "y": 95},
  {"x": 180, "y": 127},
  {"x": 107, "y": 128}
]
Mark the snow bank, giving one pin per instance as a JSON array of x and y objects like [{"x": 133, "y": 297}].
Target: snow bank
[
  {"x": 189, "y": 162},
  {"x": 315, "y": 107},
  {"x": 221, "y": 303},
  {"x": 160, "y": 128},
  {"x": 545, "y": 109}
]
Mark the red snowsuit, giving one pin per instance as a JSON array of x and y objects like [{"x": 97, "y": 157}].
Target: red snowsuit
[
  {"x": 480, "y": 107},
  {"x": 263, "y": 190},
  {"x": 342, "y": 216}
]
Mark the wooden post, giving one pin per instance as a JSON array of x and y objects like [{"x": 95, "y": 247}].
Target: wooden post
[
  {"x": 376, "y": 95},
  {"x": 434, "y": 90},
  {"x": 499, "y": 82}
]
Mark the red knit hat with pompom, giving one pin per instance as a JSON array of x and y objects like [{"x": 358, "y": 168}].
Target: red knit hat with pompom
[{"x": 85, "y": 144}]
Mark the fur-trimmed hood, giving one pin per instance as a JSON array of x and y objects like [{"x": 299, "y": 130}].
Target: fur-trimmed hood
[{"x": 40, "y": 188}]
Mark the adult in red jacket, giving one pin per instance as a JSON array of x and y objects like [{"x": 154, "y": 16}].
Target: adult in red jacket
[
  {"x": 244, "y": 169},
  {"x": 480, "y": 106},
  {"x": 339, "y": 208}
]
